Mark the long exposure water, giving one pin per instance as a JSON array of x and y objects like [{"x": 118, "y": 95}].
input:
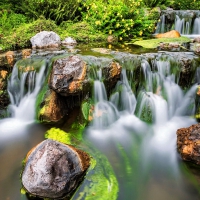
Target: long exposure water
[{"x": 136, "y": 132}]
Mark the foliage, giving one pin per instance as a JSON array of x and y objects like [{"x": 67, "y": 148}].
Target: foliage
[
  {"x": 120, "y": 18},
  {"x": 58, "y": 10},
  {"x": 19, "y": 37},
  {"x": 80, "y": 31},
  {"x": 154, "y": 3},
  {"x": 10, "y": 20},
  {"x": 153, "y": 43},
  {"x": 186, "y": 5}
]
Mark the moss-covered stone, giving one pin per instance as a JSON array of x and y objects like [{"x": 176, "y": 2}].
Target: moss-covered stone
[
  {"x": 154, "y": 43},
  {"x": 100, "y": 181}
]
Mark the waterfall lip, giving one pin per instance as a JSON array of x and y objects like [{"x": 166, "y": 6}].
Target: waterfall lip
[{"x": 191, "y": 36}]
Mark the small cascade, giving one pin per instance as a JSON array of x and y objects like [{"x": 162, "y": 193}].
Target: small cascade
[
  {"x": 185, "y": 22},
  {"x": 141, "y": 141},
  {"x": 105, "y": 112},
  {"x": 23, "y": 88}
]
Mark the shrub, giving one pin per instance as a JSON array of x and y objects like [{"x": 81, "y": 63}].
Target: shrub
[
  {"x": 154, "y": 3},
  {"x": 20, "y": 37},
  {"x": 10, "y": 20},
  {"x": 186, "y": 4},
  {"x": 121, "y": 18},
  {"x": 58, "y": 10}
]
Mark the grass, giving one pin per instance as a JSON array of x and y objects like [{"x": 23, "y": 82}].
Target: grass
[{"x": 153, "y": 43}]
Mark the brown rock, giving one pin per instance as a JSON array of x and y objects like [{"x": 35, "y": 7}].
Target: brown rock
[
  {"x": 10, "y": 57},
  {"x": 26, "y": 53},
  {"x": 170, "y": 34},
  {"x": 53, "y": 108},
  {"x": 111, "y": 39},
  {"x": 188, "y": 143},
  {"x": 54, "y": 170},
  {"x": 68, "y": 76}
]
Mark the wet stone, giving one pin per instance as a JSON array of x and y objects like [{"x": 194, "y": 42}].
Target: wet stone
[
  {"x": 188, "y": 140},
  {"x": 68, "y": 76},
  {"x": 54, "y": 170}
]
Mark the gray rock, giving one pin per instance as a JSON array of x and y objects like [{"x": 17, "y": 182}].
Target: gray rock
[
  {"x": 54, "y": 170},
  {"x": 68, "y": 75},
  {"x": 45, "y": 39},
  {"x": 69, "y": 41}
]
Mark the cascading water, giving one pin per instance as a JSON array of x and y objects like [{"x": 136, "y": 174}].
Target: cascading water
[
  {"x": 140, "y": 140},
  {"x": 185, "y": 22},
  {"x": 23, "y": 87}
]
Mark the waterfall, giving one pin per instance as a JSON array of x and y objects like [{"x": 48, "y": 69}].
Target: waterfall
[
  {"x": 23, "y": 86},
  {"x": 140, "y": 142},
  {"x": 185, "y": 22},
  {"x": 196, "y": 26}
]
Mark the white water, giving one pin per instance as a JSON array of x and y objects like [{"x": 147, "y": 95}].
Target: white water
[
  {"x": 144, "y": 155},
  {"x": 185, "y": 26},
  {"x": 23, "y": 88}
]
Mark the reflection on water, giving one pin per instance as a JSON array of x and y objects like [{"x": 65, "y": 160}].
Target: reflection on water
[{"x": 21, "y": 138}]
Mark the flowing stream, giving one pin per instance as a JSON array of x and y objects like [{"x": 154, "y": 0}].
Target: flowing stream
[
  {"x": 19, "y": 133},
  {"x": 143, "y": 155},
  {"x": 136, "y": 131}
]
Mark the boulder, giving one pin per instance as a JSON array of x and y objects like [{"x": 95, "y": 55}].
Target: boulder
[
  {"x": 197, "y": 39},
  {"x": 170, "y": 34},
  {"x": 188, "y": 143},
  {"x": 68, "y": 76},
  {"x": 69, "y": 41},
  {"x": 54, "y": 170},
  {"x": 45, "y": 39}
]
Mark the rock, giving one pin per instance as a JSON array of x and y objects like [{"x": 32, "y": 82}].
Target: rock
[
  {"x": 111, "y": 39},
  {"x": 102, "y": 50},
  {"x": 197, "y": 39},
  {"x": 68, "y": 76},
  {"x": 45, "y": 39},
  {"x": 54, "y": 170},
  {"x": 170, "y": 34},
  {"x": 53, "y": 108},
  {"x": 4, "y": 99},
  {"x": 10, "y": 57},
  {"x": 188, "y": 143},
  {"x": 69, "y": 41},
  {"x": 26, "y": 53}
]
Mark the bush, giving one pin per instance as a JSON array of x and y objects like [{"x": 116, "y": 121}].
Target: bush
[
  {"x": 186, "y": 5},
  {"x": 80, "y": 31},
  {"x": 57, "y": 10},
  {"x": 20, "y": 37},
  {"x": 120, "y": 18},
  {"x": 154, "y": 3}
]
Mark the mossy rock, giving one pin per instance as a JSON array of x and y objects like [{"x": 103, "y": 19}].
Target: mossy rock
[
  {"x": 154, "y": 43},
  {"x": 100, "y": 181}
]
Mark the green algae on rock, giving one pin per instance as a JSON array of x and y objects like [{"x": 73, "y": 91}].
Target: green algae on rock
[{"x": 100, "y": 181}]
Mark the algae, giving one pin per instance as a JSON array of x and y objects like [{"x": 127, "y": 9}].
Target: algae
[
  {"x": 153, "y": 43},
  {"x": 100, "y": 181},
  {"x": 58, "y": 135}
]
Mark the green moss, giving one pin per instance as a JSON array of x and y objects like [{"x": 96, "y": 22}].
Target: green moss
[
  {"x": 100, "y": 181},
  {"x": 153, "y": 43},
  {"x": 20, "y": 37},
  {"x": 58, "y": 135}
]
